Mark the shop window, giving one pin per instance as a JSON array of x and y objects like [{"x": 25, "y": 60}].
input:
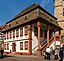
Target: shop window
[
  {"x": 26, "y": 30},
  {"x": 21, "y": 45},
  {"x": 17, "y": 32},
  {"x": 8, "y": 46},
  {"x": 26, "y": 45},
  {"x": 21, "y": 31}
]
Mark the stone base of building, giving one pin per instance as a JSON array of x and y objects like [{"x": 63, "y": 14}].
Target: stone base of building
[
  {"x": 6, "y": 52},
  {"x": 38, "y": 53},
  {"x": 19, "y": 53}
]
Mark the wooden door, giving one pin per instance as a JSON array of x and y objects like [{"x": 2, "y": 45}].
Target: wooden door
[{"x": 13, "y": 47}]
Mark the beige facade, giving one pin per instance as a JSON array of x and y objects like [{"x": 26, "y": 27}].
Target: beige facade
[{"x": 59, "y": 14}]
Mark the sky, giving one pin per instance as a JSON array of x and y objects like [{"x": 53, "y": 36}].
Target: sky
[{"x": 10, "y": 8}]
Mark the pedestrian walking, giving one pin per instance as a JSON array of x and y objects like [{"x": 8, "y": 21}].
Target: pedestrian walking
[
  {"x": 45, "y": 55},
  {"x": 48, "y": 53},
  {"x": 2, "y": 52},
  {"x": 61, "y": 54},
  {"x": 56, "y": 54}
]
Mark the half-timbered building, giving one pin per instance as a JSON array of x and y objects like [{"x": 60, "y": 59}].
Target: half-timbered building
[{"x": 31, "y": 31}]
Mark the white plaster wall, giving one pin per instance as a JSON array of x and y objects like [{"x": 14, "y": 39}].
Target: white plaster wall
[
  {"x": 57, "y": 43},
  {"x": 17, "y": 38},
  {"x": 35, "y": 40},
  {"x": 10, "y": 47},
  {"x": 17, "y": 42},
  {"x": 18, "y": 46}
]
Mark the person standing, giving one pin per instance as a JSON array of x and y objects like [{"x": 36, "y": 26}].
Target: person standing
[
  {"x": 48, "y": 53},
  {"x": 2, "y": 52},
  {"x": 56, "y": 54},
  {"x": 45, "y": 55},
  {"x": 61, "y": 54}
]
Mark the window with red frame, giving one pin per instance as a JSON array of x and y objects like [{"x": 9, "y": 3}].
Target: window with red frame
[
  {"x": 26, "y": 30},
  {"x": 4, "y": 36},
  {"x": 10, "y": 34},
  {"x": 7, "y": 46},
  {"x": 26, "y": 45},
  {"x": 17, "y": 32},
  {"x": 7, "y": 35},
  {"x": 21, "y": 31},
  {"x": 13, "y": 33},
  {"x": 21, "y": 45}
]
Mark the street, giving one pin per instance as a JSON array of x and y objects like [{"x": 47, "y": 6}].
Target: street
[{"x": 24, "y": 58}]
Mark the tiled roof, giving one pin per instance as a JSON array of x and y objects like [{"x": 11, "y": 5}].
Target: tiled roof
[
  {"x": 32, "y": 12},
  {"x": 28, "y": 9}
]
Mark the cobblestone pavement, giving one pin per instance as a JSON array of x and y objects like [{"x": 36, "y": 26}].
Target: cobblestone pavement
[{"x": 24, "y": 58}]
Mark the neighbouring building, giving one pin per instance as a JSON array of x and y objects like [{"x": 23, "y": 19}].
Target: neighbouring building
[
  {"x": 31, "y": 31},
  {"x": 1, "y": 38},
  {"x": 59, "y": 14}
]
